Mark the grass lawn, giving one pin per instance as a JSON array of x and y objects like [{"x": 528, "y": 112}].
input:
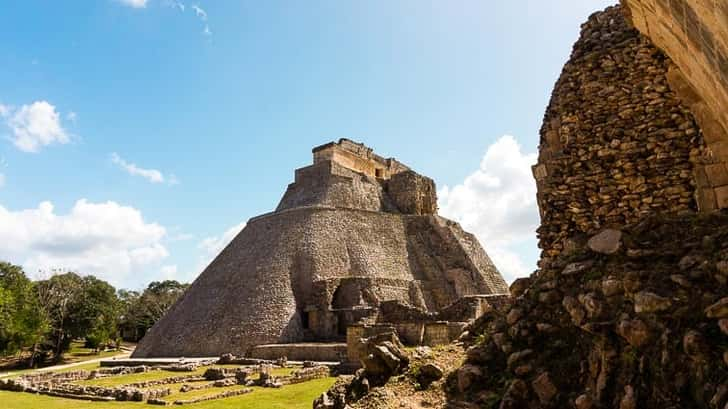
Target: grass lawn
[
  {"x": 76, "y": 353},
  {"x": 298, "y": 396}
]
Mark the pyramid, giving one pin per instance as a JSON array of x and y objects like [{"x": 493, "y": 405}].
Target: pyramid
[{"x": 352, "y": 231}]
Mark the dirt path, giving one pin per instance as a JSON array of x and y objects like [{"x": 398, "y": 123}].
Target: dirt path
[{"x": 123, "y": 354}]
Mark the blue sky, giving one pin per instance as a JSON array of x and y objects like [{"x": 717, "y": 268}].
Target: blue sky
[{"x": 136, "y": 136}]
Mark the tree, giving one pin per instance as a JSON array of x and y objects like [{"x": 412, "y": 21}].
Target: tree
[
  {"x": 79, "y": 307},
  {"x": 141, "y": 311},
  {"x": 21, "y": 326},
  {"x": 59, "y": 295},
  {"x": 95, "y": 315}
]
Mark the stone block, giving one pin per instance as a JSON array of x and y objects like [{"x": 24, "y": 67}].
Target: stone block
[
  {"x": 717, "y": 174},
  {"x": 721, "y": 197}
]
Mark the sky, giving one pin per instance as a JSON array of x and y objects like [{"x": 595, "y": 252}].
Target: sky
[{"x": 138, "y": 136}]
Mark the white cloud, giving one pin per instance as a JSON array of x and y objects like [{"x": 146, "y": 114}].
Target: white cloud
[
  {"x": 497, "y": 203},
  {"x": 137, "y": 4},
  {"x": 214, "y": 245},
  {"x": 34, "y": 126},
  {"x": 177, "y": 4},
  {"x": 202, "y": 14},
  {"x": 109, "y": 240},
  {"x": 169, "y": 272},
  {"x": 72, "y": 116},
  {"x": 152, "y": 175}
]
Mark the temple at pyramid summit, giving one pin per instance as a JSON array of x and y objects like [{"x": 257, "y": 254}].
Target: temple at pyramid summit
[{"x": 354, "y": 244}]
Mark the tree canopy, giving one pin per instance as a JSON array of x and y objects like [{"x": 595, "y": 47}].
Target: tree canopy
[{"x": 43, "y": 317}]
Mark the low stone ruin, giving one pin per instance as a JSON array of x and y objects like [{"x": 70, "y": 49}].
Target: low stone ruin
[
  {"x": 61, "y": 385},
  {"x": 64, "y": 384}
]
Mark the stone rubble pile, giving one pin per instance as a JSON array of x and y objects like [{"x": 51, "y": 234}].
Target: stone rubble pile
[
  {"x": 645, "y": 326},
  {"x": 383, "y": 356}
]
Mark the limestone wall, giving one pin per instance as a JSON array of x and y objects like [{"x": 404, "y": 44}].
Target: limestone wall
[
  {"x": 616, "y": 142},
  {"x": 694, "y": 34}
]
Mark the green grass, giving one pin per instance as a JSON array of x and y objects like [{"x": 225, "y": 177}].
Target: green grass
[
  {"x": 76, "y": 353},
  {"x": 298, "y": 396}
]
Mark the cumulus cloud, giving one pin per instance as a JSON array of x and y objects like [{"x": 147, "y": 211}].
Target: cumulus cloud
[
  {"x": 169, "y": 272},
  {"x": 152, "y": 175},
  {"x": 109, "y": 240},
  {"x": 136, "y": 4},
  {"x": 212, "y": 246},
  {"x": 497, "y": 203},
  {"x": 34, "y": 126}
]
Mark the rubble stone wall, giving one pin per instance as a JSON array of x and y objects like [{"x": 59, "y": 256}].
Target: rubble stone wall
[
  {"x": 616, "y": 142},
  {"x": 695, "y": 35}
]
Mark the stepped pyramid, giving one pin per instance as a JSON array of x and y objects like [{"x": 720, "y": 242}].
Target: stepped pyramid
[{"x": 354, "y": 230}]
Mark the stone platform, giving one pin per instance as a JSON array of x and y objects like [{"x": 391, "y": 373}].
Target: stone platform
[{"x": 304, "y": 351}]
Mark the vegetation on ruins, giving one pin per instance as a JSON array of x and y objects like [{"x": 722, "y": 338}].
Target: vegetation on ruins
[{"x": 40, "y": 319}]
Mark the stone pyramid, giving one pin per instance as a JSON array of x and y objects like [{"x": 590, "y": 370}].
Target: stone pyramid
[{"x": 353, "y": 230}]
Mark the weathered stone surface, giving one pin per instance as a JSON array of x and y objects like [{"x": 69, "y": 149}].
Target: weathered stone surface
[
  {"x": 467, "y": 375},
  {"x": 608, "y": 241},
  {"x": 628, "y": 400},
  {"x": 723, "y": 324},
  {"x": 648, "y": 302},
  {"x": 429, "y": 373},
  {"x": 636, "y": 332},
  {"x": 719, "y": 309},
  {"x": 353, "y": 230},
  {"x": 519, "y": 286},
  {"x": 612, "y": 287},
  {"x": 575, "y": 268},
  {"x": 544, "y": 388},
  {"x": 584, "y": 402}
]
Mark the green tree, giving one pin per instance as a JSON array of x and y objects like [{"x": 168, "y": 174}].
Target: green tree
[
  {"x": 79, "y": 307},
  {"x": 141, "y": 311},
  {"x": 58, "y": 296},
  {"x": 21, "y": 326}
]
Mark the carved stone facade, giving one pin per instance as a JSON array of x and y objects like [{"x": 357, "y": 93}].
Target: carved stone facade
[{"x": 354, "y": 230}]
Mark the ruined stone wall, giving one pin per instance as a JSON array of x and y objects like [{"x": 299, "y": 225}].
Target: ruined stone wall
[
  {"x": 359, "y": 158},
  {"x": 694, "y": 34},
  {"x": 328, "y": 183},
  {"x": 412, "y": 193},
  {"x": 616, "y": 142}
]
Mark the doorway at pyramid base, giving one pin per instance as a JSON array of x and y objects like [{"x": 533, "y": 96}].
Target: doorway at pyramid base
[{"x": 334, "y": 334}]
